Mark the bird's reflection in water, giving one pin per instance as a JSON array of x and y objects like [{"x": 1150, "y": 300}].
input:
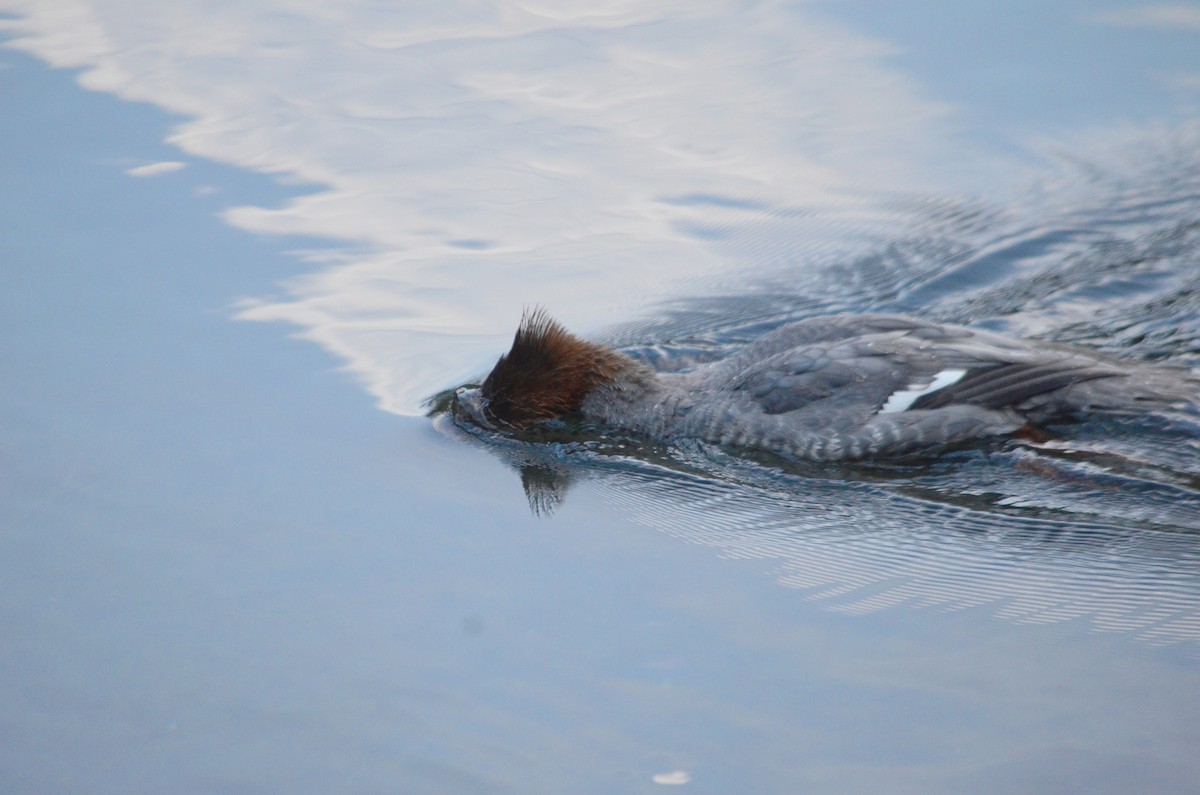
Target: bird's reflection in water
[{"x": 1041, "y": 530}]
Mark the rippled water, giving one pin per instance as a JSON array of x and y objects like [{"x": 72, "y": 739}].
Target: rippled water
[
  {"x": 1102, "y": 519},
  {"x": 227, "y": 574}
]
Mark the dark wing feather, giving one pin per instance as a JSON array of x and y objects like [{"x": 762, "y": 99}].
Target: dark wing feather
[
  {"x": 853, "y": 374},
  {"x": 1007, "y": 385}
]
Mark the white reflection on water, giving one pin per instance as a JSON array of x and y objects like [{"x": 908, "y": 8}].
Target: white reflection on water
[
  {"x": 154, "y": 169},
  {"x": 475, "y": 158}
]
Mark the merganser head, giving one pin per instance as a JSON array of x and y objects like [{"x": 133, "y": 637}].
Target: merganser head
[{"x": 547, "y": 374}]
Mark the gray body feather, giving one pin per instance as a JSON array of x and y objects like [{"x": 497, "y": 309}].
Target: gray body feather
[{"x": 858, "y": 386}]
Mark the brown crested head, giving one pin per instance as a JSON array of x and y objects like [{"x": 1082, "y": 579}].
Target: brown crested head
[{"x": 546, "y": 374}]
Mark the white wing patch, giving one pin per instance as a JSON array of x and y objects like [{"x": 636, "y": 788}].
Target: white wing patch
[{"x": 901, "y": 400}]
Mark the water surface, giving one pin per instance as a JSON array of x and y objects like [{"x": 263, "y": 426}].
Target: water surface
[{"x": 234, "y": 561}]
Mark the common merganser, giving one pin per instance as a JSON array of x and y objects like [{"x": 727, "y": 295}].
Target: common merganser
[{"x": 838, "y": 387}]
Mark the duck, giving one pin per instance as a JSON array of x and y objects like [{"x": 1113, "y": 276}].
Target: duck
[{"x": 841, "y": 387}]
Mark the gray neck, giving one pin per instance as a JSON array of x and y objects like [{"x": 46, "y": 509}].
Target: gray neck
[{"x": 638, "y": 400}]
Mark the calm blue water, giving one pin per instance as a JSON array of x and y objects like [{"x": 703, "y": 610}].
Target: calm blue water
[{"x": 235, "y": 561}]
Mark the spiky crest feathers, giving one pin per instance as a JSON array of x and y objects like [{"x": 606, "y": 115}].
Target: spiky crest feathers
[{"x": 547, "y": 374}]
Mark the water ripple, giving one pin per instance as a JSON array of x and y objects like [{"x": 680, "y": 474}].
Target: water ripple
[{"x": 1002, "y": 529}]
